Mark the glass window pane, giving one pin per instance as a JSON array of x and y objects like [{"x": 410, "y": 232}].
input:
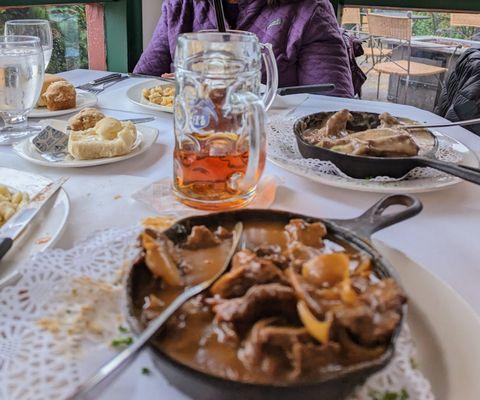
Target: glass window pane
[{"x": 70, "y": 32}]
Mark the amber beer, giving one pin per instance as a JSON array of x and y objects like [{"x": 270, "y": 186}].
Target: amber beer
[{"x": 211, "y": 169}]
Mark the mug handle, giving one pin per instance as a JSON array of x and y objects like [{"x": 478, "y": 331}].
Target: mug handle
[
  {"x": 256, "y": 116},
  {"x": 272, "y": 74}
]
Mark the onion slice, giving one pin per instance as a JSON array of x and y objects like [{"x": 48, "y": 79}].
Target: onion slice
[
  {"x": 159, "y": 262},
  {"x": 320, "y": 330}
]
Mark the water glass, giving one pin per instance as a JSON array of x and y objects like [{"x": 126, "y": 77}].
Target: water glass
[
  {"x": 33, "y": 27},
  {"x": 21, "y": 79}
]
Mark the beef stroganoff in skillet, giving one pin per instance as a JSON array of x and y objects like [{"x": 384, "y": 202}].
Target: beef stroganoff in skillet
[
  {"x": 345, "y": 132},
  {"x": 296, "y": 304}
]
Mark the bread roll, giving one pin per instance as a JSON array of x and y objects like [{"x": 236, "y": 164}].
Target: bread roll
[{"x": 47, "y": 81}]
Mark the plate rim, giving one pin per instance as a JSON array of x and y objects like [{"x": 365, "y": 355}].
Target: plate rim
[{"x": 444, "y": 289}]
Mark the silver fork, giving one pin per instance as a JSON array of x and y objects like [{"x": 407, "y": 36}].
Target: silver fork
[{"x": 101, "y": 87}]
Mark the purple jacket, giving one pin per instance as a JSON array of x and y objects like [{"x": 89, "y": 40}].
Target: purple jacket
[{"x": 305, "y": 36}]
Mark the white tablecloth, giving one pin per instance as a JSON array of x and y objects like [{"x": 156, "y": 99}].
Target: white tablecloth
[{"x": 444, "y": 238}]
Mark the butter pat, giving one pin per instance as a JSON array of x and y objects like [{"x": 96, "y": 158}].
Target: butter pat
[{"x": 108, "y": 138}]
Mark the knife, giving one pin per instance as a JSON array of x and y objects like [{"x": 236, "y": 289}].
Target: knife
[
  {"x": 17, "y": 224},
  {"x": 169, "y": 80},
  {"x": 324, "y": 87},
  {"x": 105, "y": 78}
]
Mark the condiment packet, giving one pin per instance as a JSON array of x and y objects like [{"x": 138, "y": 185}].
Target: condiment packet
[
  {"x": 51, "y": 143},
  {"x": 160, "y": 198}
]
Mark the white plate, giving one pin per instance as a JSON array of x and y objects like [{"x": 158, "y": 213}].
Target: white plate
[
  {"x": 284, "y": 152},
  {"x": 84, "y": 100},
  {"x": 134, "y": 94},
  {"x": 46, "y": 228},
  {"x": 445, "y": 328},
  {"x": 146, "y": 137}
]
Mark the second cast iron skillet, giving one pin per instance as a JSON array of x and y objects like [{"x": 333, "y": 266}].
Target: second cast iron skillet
[{"x": 362, "y": 167}]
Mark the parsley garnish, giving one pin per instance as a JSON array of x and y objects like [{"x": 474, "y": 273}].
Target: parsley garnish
[
  {"x": 146, "y": 371},
  {"x": 120, "y": 342},
  {"x": 414, "y": 363},
  {"x": 122, "y": 329}
]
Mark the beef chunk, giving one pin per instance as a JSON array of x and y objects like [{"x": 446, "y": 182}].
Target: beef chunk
[
  {"x": 384, "y": 295},
  {"x": 298, "y": 254},
  {"x": 260, "y": 301},
  {"x": 200, "y": 238},
  {"x": 376, "y": 314},
  {"x": 256, "y": 271},
  {"x": 273, "y": 253},
  {"x": 319, "y": 301},
  {"x": 223, "y": 233},
  {"x": 301, "y": 231},
  {"x": 280, "y": 349},
  {"x": 242, "y": 258}
]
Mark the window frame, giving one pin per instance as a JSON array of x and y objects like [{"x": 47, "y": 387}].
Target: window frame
[{"x": 123, "y": 24}]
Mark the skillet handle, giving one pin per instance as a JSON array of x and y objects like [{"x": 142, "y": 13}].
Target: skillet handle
[
  {"x": 468, "y": 173},
  {"x": 374, "y": 218}
]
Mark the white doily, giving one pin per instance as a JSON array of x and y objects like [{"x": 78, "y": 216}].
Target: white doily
[
  {"x": 67, "y": 308},
  {"x": 283, "y": 150}
]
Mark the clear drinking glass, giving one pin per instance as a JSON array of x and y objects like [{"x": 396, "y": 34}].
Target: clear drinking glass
[
  {"x": 33, "y": 27},
  {"x": 21, "y": 78},
  {"x": 219, "y": 122}
]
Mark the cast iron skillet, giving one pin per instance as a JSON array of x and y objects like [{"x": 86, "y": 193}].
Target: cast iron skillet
[
  {"x": 202, "y": 386},
  {"x": 362, "y": 167}
]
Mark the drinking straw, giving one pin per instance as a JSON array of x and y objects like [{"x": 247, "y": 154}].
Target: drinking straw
[{"x": 220, "y": 15}]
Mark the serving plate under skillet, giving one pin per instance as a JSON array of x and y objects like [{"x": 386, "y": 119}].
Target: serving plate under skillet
[
  {"x": 361, "y": 167},
  {"x": 335, "y": 386}
]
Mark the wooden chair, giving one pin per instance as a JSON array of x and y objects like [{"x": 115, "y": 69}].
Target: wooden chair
[
  {"x": 399, "y": 28},
  {"x": 352, "y": 16},
  {"x": 458, "y": 20}
]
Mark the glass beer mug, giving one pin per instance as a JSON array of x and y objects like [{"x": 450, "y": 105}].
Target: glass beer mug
[{"x": 220, "y": 140}]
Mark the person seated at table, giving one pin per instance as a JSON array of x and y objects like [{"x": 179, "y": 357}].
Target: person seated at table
[{"x": 304, "y": 34}]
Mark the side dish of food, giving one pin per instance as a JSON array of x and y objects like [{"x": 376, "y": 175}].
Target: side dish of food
[
  {"x": 386, "y": 140},
  {"x": 10, "y": 202},
  {"x": 296, "y": 304},
  {"x": 162, "y": 95}
]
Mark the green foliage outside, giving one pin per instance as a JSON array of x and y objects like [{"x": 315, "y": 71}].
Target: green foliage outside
[
  {"x": 69, "y": 29},
  {"x": 438, "y": 24}
]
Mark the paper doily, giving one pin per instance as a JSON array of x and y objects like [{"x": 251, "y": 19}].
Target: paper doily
[
  {"x": 45, "y": 353},
  {"x": 283, "y": 151}
]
